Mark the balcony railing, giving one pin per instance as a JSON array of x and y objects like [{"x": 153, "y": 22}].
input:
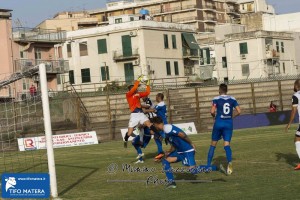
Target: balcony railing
[
  {"x": 130, "y": 54},
  {"x": 209, "y": 7},
  {"x": 210, "y": 19},
  {"x": 52, "y": 66},
  {"x": 190, "y": 53},
  {"x": 184, "y": 19},
  {"x": 38, "y": 35},
  {"x": 209, "y": 30},
  {"x": 173, "y": 9}
]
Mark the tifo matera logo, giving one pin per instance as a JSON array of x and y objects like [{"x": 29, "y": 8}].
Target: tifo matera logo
[{"x": 10, "y": 183}]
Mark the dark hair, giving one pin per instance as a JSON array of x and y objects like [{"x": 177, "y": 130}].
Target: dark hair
[
  {"x": 297, "y": 84},
  {"x": 157, "y": 120},
  {"x": 130, "y": 87},
  {"x": 160, "y": 95},
  {"x": 223, "y": 88}
]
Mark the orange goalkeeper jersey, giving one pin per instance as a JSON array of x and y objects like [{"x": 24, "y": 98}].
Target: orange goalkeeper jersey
[{"x": 133, "y": 99}]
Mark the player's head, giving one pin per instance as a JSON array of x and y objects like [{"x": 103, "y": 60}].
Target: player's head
[
  {"x": 158, "y": 123},
  {"x": 223, "y": 89},
  {"x": 160, "y": 97},
  {"x": 297, "y": 85},
  {"x": 130, "y": 87}
]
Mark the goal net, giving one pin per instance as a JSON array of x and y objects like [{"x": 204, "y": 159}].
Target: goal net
[{"x": 24, "y": 112}]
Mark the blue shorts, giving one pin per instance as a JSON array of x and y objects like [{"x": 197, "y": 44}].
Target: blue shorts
[
  {"x": 146, "y": 140},
  {"x": 187, "y": 159},
  {"x": 222, "y": 130}
]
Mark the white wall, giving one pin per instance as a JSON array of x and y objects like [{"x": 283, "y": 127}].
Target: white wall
[{"x": 284, "y": 22}]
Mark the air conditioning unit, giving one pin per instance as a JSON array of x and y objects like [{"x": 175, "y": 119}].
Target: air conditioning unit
[
  {"x": 243, "y": 56},
  {"x": 132, "y": 34},
  {"x": 136, "y": 62}
]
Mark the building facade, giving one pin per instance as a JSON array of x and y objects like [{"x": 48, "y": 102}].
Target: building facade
[
  {"x": 241, "y": 55},
  {"x": 202, "y": 14},
  {"x": 69, "y": 21},
  {"x": 23, "y": 48},
  {"x": 123, "y": 51}
]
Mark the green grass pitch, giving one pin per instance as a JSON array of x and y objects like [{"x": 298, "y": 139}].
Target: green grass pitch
[{"x": 263, "y": 161}]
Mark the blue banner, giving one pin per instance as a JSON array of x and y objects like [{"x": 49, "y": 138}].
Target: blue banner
[{"x": 25, "y": 185}]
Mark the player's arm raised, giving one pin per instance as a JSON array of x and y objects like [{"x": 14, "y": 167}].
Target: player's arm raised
[
  {"x": 135, "y": 87},
  {"x": 147, "y": 92},
  {"x": 186, "y": 138}
]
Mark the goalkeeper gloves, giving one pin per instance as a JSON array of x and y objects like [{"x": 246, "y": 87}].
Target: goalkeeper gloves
[
  {"x": 148, "y": 82},
  {"x": 140, "y": 78}
]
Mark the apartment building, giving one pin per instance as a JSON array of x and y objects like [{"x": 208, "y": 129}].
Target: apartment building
[
  {"x": 202, "y": 14},
  {"x": 24, "y": 48},
  {"x": 69, "y": 21},
  {"x": 237, "y": 54},
  {"x": 123, "y": 51}
]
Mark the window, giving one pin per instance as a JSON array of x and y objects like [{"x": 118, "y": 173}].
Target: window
[
  {"x": 118, "y": 20},
  {"x": 22, "y": 54},
  {"x": 105, "y": 73},
  {"x": 282, "y": 47},
  {"x": 83, "y": 49},
  {"x": 131, "y": 18},
  {"x": 174, "y": 45},
  {"x": 69, "y": 50},
  {"x": 243, "y": 48},
  {"x": 166, "y": 41},
  {"x": 85, "y": 75},
  {"x": 277, "y": 46},
  {"x": 37, "y": 54},
  {"x": 245, "y": 70},
  {"x": 168, "y": 66},
  {"x": 71, "y": 76},
  {"x": 224, "y": 62},
  {"x": 176, "y": 68},
  {"x": 283, "y": 67},
  {"x": 102, "y": 46}
]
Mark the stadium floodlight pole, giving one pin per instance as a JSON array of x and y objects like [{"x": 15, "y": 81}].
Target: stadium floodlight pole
[{"x": 48, "y": 130}]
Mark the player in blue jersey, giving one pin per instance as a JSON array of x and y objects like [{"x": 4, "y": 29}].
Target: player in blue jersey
[
  {"x": 222, "y": 111},
  {"x": 141, "y": 141},
  {"x": 161, "y": 111},
  {"x": 182, "y": 149}
]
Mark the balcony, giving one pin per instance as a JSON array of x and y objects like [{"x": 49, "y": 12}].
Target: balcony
[
  {"x": 184, "y": 19},
  {"x": 130, "y": 54},
  {"x": 210, "y": 30},
  {"x": 52, "y": 66},
  {"x": 22, "y": 34},
  {"x": 232, "y": 11},
  {"x": 272, "y": 54},
  {"x": 192, "y": 54},
  {"x": 174, "y": 9},
  {"x": 210, "y": 19},
  {"x": 208, "y": 7}
]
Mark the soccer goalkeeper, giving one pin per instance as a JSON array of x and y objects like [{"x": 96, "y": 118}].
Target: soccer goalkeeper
[{"x": 137, "y": 115}]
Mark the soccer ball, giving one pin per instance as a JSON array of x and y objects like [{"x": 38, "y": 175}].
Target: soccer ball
[{"x": 144, "y": 79}]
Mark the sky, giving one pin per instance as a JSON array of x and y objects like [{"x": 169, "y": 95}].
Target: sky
[{"x": 32, "y": 12}]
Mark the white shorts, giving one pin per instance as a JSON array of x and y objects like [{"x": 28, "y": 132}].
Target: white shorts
[{"x": 137, "y": 118}]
